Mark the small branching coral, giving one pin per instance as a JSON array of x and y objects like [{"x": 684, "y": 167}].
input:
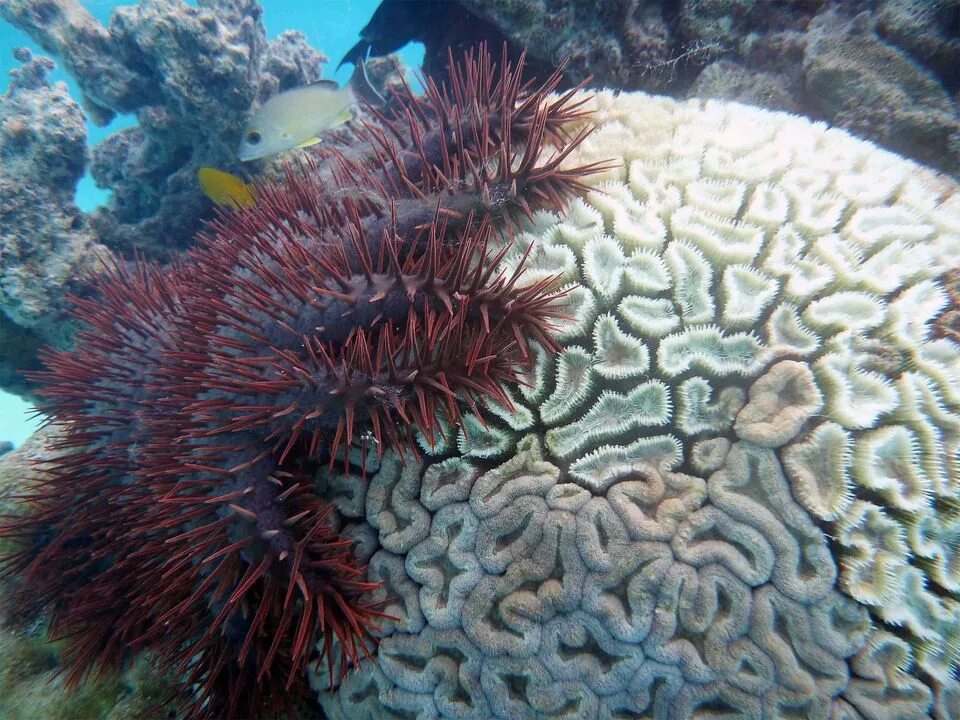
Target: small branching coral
[{"x": 359, "y": 302}]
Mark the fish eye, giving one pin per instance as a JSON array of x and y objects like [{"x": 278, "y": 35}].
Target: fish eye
[{"x": 253, "y": 137}]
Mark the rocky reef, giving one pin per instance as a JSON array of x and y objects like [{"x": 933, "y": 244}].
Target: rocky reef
[
  {"x": 729, "y": 488},
  {"x": 868, "y": 85},
  {"x": 887, "y": 70},
  {"x": 47, "y": 242},
  {"x": 190, "y": 75},
  {"x": 734, "y": 490}
]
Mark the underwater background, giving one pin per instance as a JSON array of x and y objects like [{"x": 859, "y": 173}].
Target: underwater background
[
  {"x": 334, "y": 27},
  {"x": 611, "y": 371}
]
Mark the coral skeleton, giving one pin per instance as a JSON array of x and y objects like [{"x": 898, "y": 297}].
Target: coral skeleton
[{"x": 356, "y": 305}]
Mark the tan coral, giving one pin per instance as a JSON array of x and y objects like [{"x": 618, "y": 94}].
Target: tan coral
[
  {"x": 781, "y": 401},
  {"x": 819, "y": 468}
]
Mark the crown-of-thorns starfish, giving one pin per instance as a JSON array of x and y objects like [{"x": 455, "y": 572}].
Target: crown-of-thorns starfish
[{"x": 357, "y": 302}]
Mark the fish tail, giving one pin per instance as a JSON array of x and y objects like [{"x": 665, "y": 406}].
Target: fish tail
[{"x": 361, "y": 66}]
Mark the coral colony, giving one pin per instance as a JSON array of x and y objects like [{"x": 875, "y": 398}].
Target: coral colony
[
  {"x": 734, "y": 491},
  {"x": 357, "y": 306}
]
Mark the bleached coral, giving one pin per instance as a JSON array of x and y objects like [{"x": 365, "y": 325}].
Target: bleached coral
[{"x": 735, "y": 492}]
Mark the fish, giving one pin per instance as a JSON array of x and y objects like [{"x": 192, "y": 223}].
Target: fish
[
  {"x": 435, "y": 23},
  {"x": 296, "y": 118},
  {"x": 226, "y": 189}
]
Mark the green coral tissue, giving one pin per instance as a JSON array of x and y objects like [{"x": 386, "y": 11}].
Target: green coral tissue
[{"x": 735, "y": 492}]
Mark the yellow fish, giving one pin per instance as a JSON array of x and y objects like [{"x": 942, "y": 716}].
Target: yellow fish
[
  {"x": 296, "y": 118},
  {"x": 226, "y": 189}
]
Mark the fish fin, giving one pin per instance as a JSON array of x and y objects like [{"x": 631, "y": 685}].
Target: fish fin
[
  {"x": 225, "y": 188},
  {"x": 360, "y": 76},
  {"x": 309, "y": 141},
  {"x": 357, "y": 54}
]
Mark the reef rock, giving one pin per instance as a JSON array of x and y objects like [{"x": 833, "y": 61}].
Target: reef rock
[
  {"x": 728, "y": 80},
  {"x": 45, "y": 240},
  {"x": 190, "y": 74},
  {"x": 875, "y": 90},
  {"x": 734, "y": 491},
  {"x": 893, "y": 85},
  {"x": 614, "y": 42},
  {"x": 929, "y": 30}
]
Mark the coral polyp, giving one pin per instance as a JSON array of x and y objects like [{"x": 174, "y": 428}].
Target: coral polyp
[{"x": 360, "y": 304}]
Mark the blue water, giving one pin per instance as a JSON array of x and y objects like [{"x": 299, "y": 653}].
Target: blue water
[{"x": 331, "y": 26}]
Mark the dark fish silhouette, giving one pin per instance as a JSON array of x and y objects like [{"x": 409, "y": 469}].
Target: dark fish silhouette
[{"x": 442, "y": 26}]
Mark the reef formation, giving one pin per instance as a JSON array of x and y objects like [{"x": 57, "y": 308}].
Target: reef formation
[
  {"x": 734, "y": 489},
  {"x": 47, "y": 244},
  {"x": 887, "y": 70},
  {"x": 726, "y": 486},
  {"x": 353, "y": 307},
  {"x": 190, "y": 75}
]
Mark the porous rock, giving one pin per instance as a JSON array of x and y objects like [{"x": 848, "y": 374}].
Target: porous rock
[
  {"x": 190, "y": 74},
  {"x": 45, "y": 240},
  {"x": 878, "y": 91},
  {"x": 728, "y": 80},
  {"x": 614, "y": 42},
  {"x": 886, "y": 81},
  {"x": 929, "y": 30},
  {"x": 210, "y": 66}
]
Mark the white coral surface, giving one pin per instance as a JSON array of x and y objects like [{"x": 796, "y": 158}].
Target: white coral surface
[{"x": 736, "y": 491}]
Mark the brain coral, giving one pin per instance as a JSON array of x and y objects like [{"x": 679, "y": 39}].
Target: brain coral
[{"x": 734, "y": 492}]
